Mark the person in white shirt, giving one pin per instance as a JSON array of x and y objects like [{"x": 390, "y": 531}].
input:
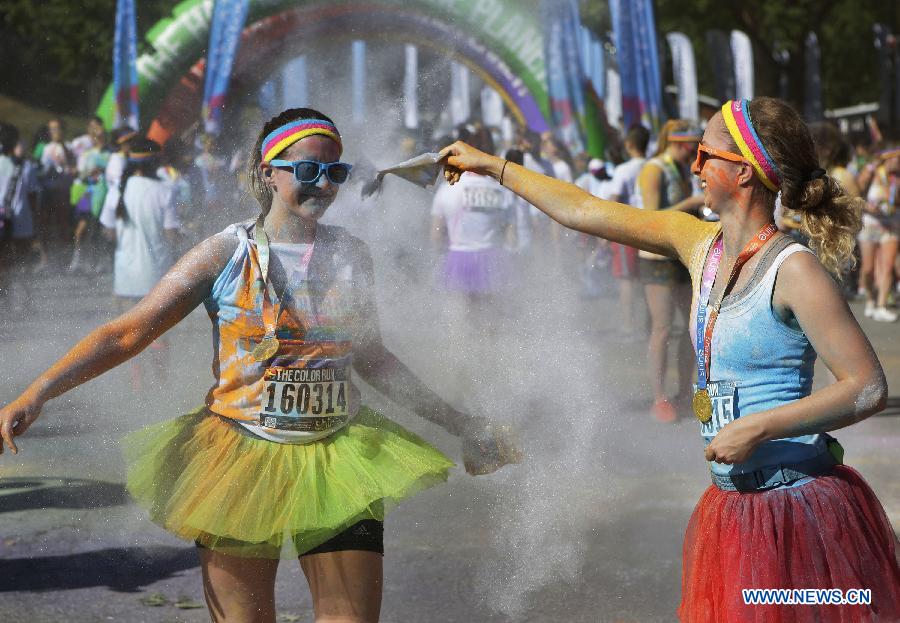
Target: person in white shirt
[
  {"x": 623, "y": 188},
  {"x": 477, "y": 218},
  {"x": 142, "y": 219}
]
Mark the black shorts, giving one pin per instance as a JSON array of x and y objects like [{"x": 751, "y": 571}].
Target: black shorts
[
  {"x": 366, "y": 535},
  {"x": 662, "y": 272}
]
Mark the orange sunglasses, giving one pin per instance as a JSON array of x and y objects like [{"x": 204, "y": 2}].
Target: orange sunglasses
[{"x": 705, "y": 152}]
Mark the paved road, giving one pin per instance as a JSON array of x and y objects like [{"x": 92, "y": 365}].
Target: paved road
[{"x": 588, "y": 530}]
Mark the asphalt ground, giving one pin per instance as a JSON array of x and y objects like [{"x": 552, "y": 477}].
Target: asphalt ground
[{"x": 588, "y": 529}]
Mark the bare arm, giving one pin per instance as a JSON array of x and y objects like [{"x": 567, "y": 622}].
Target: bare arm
[
  {"x": 173, "y": 298},
  {"x": 806, "y": 289},
  {"x": 670, "y": 233},
  {"x": 650, "y": 182}
]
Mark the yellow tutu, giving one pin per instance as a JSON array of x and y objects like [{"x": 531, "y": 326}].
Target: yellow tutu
[{"x": 205, "y": 479}]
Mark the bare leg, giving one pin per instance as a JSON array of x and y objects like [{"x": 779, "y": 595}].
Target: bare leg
[
  {"x": 238, "y": 590},
  {"x": 867, "y": 268},
  {"x": 626, "y": 304},
  {"x": 660, "y": 305},
  {"x": 884, "y": 273},
  {"x": 686, "y": 361},
  {"x": 346, "y": 586}
]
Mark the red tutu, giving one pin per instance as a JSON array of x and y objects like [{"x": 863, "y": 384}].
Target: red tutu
[{"x": 829, "y": 533}]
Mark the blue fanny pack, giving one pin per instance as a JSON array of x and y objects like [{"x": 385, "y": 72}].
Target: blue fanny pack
[{"x": 767, "y": 478}]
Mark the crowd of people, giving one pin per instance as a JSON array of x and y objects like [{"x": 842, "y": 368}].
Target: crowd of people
[{"x": 74, "y": 205}]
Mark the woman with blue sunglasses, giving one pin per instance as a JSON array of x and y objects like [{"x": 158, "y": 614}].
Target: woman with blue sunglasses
[{"x": 282, "y": 456}]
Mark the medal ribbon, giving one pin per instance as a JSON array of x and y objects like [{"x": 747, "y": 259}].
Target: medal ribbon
[
  {"x": 262, "y": 251},
  {"x": 705, "y": 325}
]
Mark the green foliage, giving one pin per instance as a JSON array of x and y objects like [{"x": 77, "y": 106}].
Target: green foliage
[{"x": 58, "y": 53}]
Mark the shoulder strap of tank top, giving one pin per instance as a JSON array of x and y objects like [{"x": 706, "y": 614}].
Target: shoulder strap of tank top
[{"x": 769, "y": 255}]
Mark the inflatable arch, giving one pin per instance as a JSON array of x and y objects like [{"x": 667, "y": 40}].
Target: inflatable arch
[{"x": 500, "y": 40}]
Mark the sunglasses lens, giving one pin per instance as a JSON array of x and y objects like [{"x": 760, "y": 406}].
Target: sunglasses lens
[
  {"x": 701, "y": 159},
  {"x": 338, "y": 172},
  {"x": 306, "y": 171}
]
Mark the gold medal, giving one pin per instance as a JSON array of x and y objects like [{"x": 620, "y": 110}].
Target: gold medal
[
  {"x": 266, "y": 349},
  {"x": 702, "y": 405}
]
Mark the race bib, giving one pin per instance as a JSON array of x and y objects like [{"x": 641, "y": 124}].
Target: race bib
[
  {"x": 722, "y": 394},
  {"x": 310, "y": 398}
]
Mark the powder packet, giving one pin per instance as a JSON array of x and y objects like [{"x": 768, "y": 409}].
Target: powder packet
[{"x": 423, "y": 170}]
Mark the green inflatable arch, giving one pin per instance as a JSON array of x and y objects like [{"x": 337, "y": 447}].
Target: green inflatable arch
[{"x": 500, "y": 40}]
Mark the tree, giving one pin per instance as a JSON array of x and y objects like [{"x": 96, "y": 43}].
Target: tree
[{"x": 58, "y": 53}]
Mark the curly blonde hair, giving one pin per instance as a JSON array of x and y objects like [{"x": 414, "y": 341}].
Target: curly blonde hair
[{"x": 829, "y": 217}]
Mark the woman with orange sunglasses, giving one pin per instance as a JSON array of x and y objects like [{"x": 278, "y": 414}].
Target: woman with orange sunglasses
[{"x": 782, "y": 512}]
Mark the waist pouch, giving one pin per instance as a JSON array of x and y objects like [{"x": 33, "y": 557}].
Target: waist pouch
[{"x": 767, "y": 478}]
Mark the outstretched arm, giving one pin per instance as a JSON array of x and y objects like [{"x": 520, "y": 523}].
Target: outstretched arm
[
  {"x": 806, "y": 289},
  {"x": 173, "y": 298},
  {"x": 669, "y": 233}
]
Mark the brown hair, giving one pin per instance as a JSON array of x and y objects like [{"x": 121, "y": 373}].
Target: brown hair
[
  {"x": 828, "y": 216},
  {"x": 832, "y": 149},
  {"x": 258, "y": 185}
]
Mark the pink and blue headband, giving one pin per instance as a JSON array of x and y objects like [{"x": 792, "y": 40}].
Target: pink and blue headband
[
  {"x": 290, "y": 133},
  {"x": 736, "y": 115}
]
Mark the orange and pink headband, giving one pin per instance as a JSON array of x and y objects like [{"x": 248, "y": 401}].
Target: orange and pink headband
[
  {"x": 736, "y": 115},
  {"x": 290, "y": 133}
]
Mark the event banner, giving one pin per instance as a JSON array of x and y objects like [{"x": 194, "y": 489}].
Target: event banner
[
  {"x": 722, "y": 61},
  {"x": 813, "y": 107},
  {"x": 224, "y": 36},
  {"x": 594, "y": 66},
  {"x": 562, "y": 109},
  {"x": 634, "y": 30},
  {"x": 685, "y": 72},
  {"x": 125, "y": 77},
  {"x": 410, "y": 87},
  {"x": 743, "y": 65}
]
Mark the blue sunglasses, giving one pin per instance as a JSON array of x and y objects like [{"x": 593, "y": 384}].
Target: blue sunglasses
[{"x": 309, "y": 171}]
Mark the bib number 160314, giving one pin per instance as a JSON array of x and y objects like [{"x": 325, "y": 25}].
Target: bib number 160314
[{"x": 300, "y": 399}]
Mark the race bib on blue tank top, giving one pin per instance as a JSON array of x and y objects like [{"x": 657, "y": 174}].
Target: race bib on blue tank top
[{"x": 724, "y": 404}]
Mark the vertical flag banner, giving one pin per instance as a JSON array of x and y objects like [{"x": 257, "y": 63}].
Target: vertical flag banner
[
  {"x": 460, "y": 107},
  {"x": 294, "y": 90},
  {"x": 813, "y": 108},
  {"x": 594, "y": 66},
  {"x": 268, "y": 94},
  {"x": 613, "y": 100},
  {"x": 358, "y": 79},
  {"x": 561, "y": 106},
  {"x": 224, "y": 37},
  {"x": 125, "y": 80},
  {"x": 573, "y": 65},
  {"x": 722, "y": 64},
  {"x": 491, "y": 107},
  {"x": 634, "y": 29},
  {"x": 743, "y": 65},
  {"x": 410, "y": 88},
  {"x": 882, "y": 34},
  {"x": 685, "y": 71}
]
